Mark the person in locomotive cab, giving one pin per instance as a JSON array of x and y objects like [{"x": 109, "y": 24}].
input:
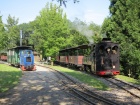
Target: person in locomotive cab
[
  {"x": 108, "y": 50},
  {"x": 106, "y": 60},
  {"x": 114, "y": 51}
]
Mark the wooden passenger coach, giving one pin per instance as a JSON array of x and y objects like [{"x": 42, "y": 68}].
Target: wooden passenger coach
[{"x": 72, "y": 56}]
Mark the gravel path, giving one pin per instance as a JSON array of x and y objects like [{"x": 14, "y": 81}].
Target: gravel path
[
  {"x": 118, "y": 95},
  {"x": 39, "y": 88}
]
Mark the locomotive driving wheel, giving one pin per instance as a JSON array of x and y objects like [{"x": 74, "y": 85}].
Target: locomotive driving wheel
[{"x": 87, "y": 68}]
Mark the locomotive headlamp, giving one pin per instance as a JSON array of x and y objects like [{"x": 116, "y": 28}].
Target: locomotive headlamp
[
  {"x": 108, "y": 49},
  {"x": 113, "y": 66}
]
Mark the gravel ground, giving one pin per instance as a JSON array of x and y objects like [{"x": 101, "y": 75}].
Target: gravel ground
[
  {"x": 40, "y": 87},
  {"x": 118, "y": 95},
  {"x": 115, "y": 93}
]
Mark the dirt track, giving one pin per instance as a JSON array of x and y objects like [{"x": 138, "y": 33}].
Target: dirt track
[{"x": 39, "y": 87}]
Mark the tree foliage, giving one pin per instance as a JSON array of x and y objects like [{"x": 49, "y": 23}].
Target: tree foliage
[
  {"x": 76, "y": 36},
  {"x": 63, "y": 2},
  {"x": 27, "y": 30},
  {"x": 123, "y": 27},
  {"x": 50, "y": 30},
  {"x": 12, "y": 31},
  {"x": 97, "y": 36},
  {"x": 3, "y": 36},
  {"x": 85, "y": 33}
]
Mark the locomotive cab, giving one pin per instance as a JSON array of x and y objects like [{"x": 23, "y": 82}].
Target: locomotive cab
[
  {"x": 27, "y": 60},
  {"x": 107, "y": 58}
]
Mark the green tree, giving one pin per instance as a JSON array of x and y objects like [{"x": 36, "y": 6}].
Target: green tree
[
  {"x": 96, "y": 32},
  {"x": 12, "y": 32},
  {"x": 27, "y": 30},
  {"x": 3, "y": 35},
  {"x": 50, "y": 30},
  {"x": 123, "y": 27}
]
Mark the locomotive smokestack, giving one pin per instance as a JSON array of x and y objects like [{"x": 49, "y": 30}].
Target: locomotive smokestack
[{"x": 106, "y": 39}]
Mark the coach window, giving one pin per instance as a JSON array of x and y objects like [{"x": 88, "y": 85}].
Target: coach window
[
  {"x": 12, "y": 52},
  {"x": 114, "y": 49},
  {"x": 80, "y": 52},
  {"x": 70, "y": 53},
  {"x": 62, "y": 53},
  {"x": 59, "y": 53},
  {"x": 66, "y": 53},
  {"x": 18, "y": 56},
  {"x": 9, "y": 52},
  {"x": 87, "y": 52},
  {"x": 75, "y": 52}
]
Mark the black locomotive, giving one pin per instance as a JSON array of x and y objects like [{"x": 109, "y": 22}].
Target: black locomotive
[{"x": 101, "y": 58}]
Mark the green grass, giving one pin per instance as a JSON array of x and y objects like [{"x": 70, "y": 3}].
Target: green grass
[
  {"x": 9, "y": 77},
  {"x": 85, "y": 78},
  {"x": 128, "y": 79}
]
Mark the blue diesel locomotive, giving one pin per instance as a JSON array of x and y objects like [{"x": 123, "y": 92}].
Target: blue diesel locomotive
[{"x": 22, "y": 56}]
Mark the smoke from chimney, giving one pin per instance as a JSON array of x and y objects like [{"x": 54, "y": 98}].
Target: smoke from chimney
[{"x": 85, "y": 31}]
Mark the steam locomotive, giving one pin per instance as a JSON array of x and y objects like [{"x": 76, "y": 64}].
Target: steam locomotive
[{"x": 101, "y": 58}]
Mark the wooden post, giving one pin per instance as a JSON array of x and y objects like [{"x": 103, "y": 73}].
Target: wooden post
[
  {"x": 129, "y": 73},
  {"x": 51, "y": 63}
]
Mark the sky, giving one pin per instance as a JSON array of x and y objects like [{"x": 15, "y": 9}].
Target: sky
[{"x": 27, "y": 10}]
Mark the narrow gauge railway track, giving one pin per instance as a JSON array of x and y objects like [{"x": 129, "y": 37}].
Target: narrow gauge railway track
[
  {"x": 64, "y": 85},
  {"x": 59, "y": 82},
  {"x": 133, "y": 90},
  {"x": 132, "y": 85},
  {"x": 89, "y": 97},
  {"x": 82, "y": 92}
]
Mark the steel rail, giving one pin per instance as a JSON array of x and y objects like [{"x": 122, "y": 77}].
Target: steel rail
[
  {"x": 89, "y": 91},
  {"x": 123, "y": 88}
]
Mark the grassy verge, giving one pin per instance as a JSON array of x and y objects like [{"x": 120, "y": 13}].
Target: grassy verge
[
  {"x": 9, "y": 77},
  {"x": 128, "y": 79},
  {"x": 90, "y": 80}
]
